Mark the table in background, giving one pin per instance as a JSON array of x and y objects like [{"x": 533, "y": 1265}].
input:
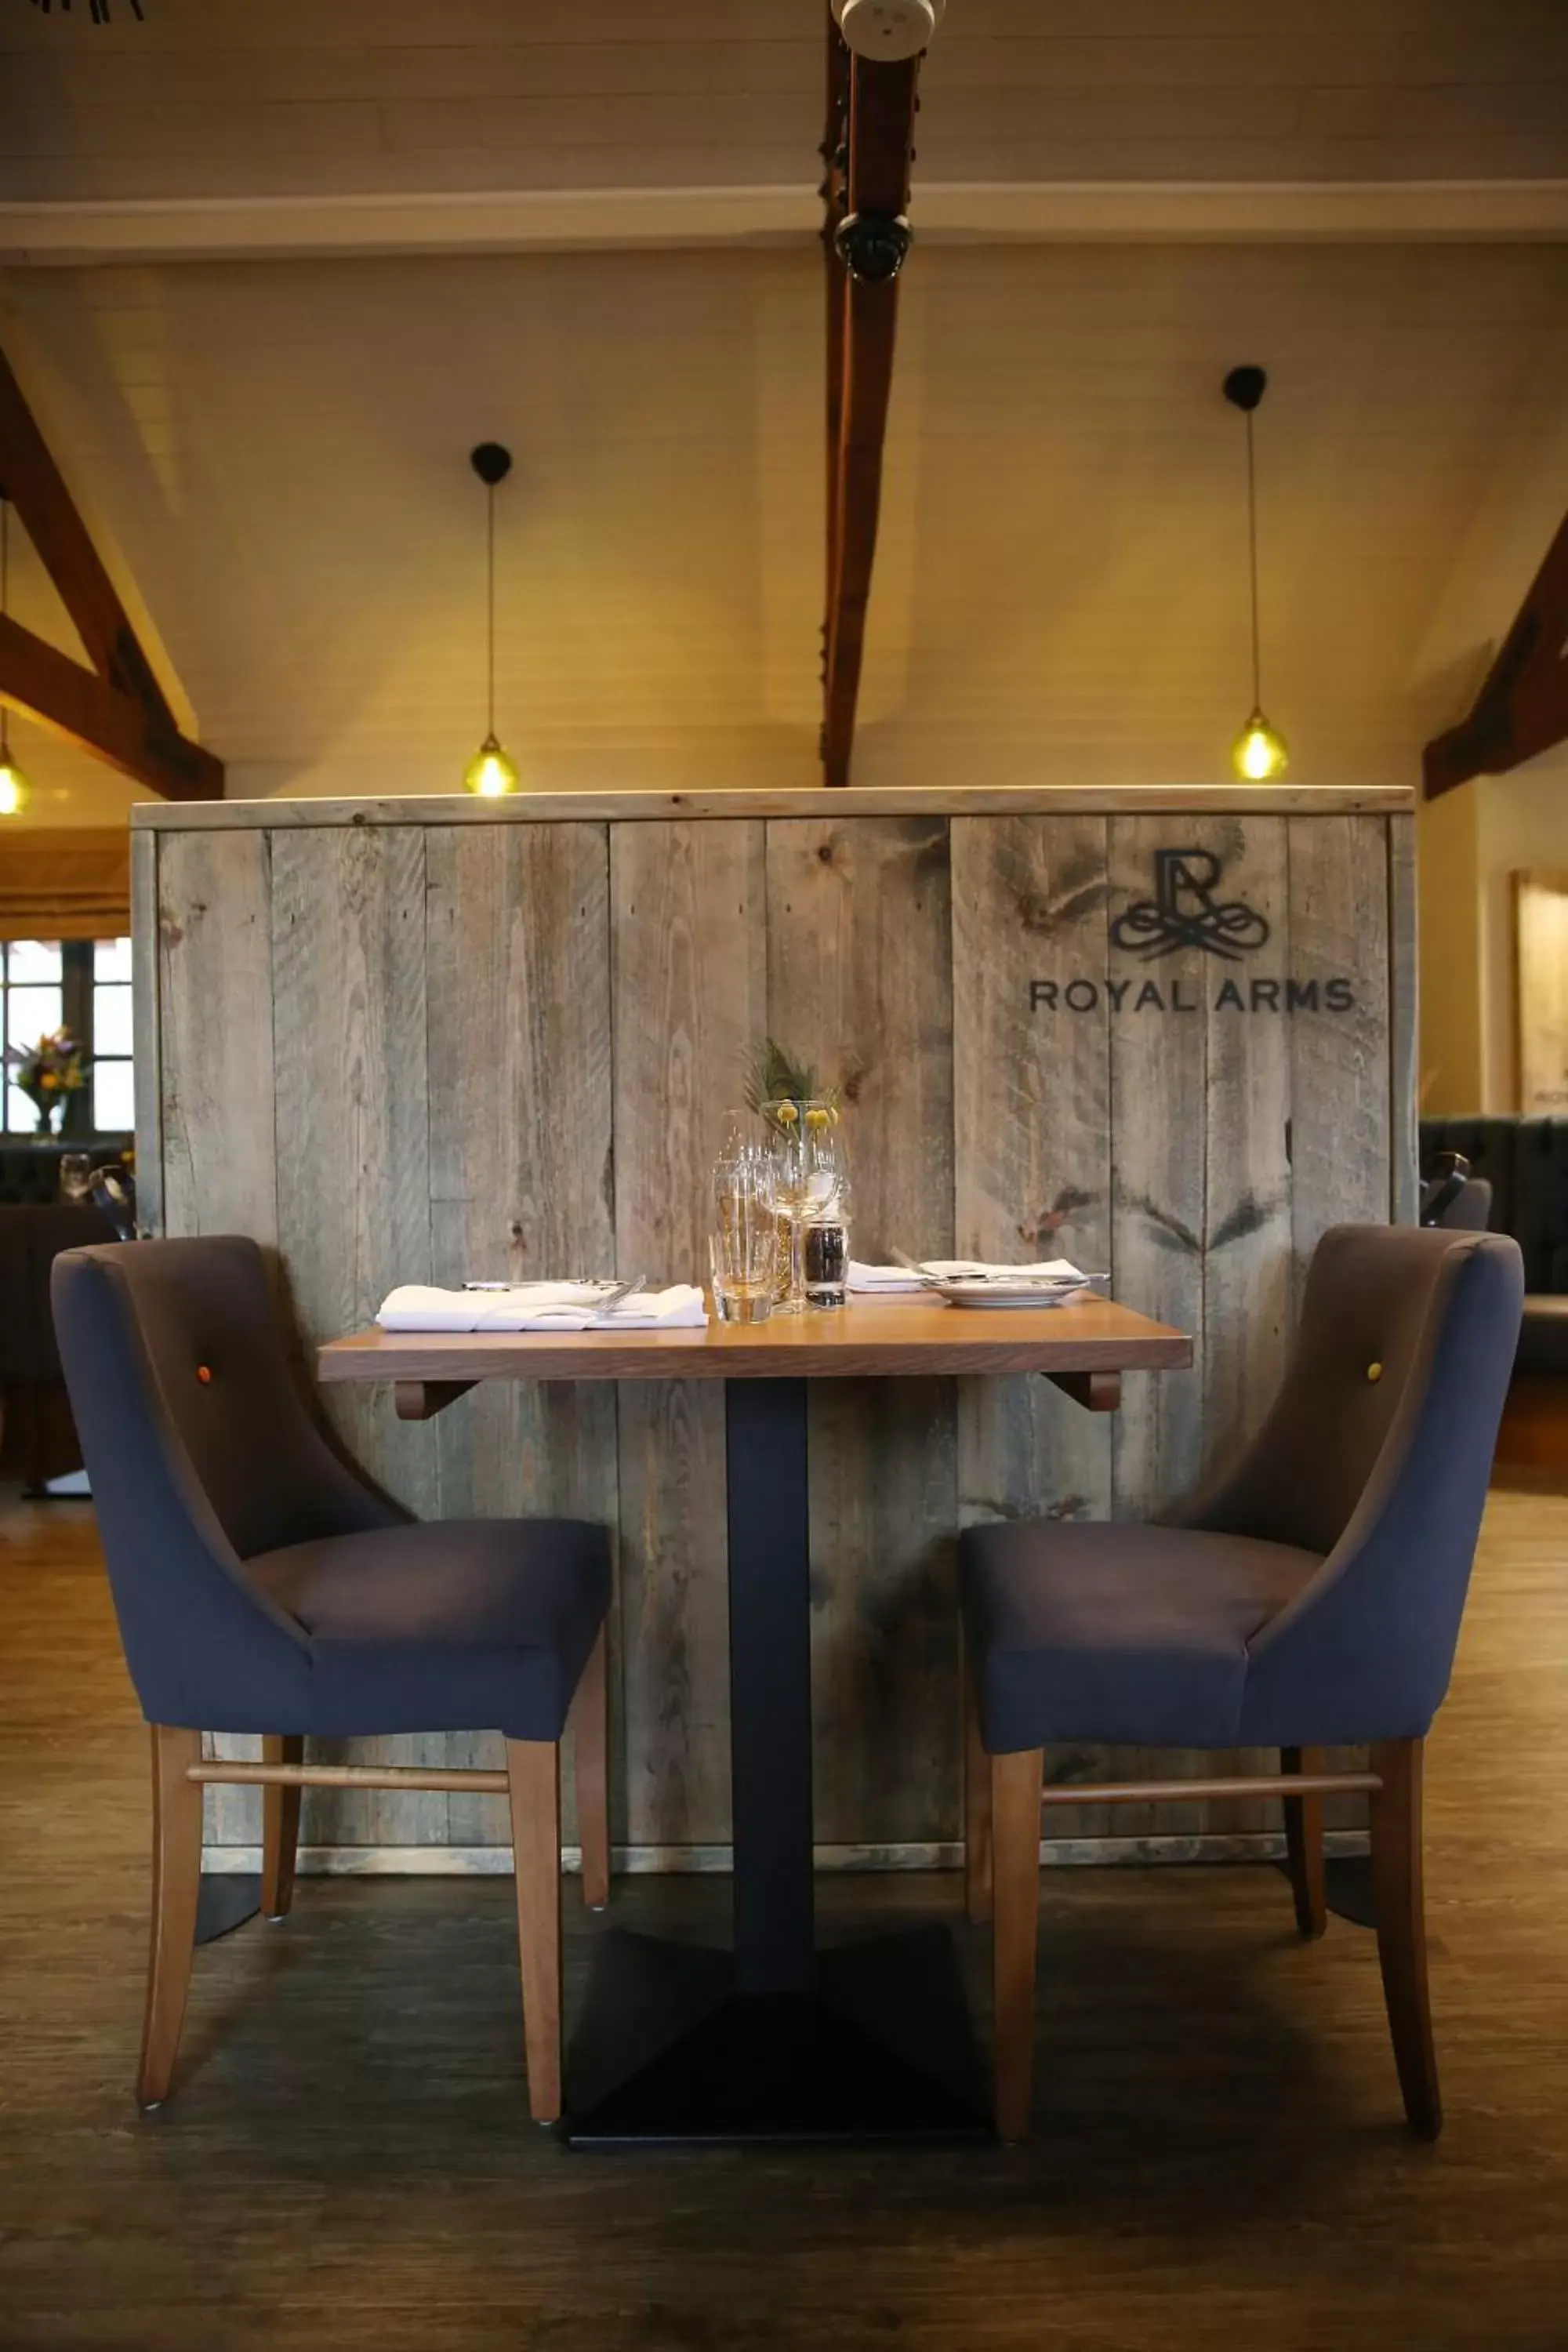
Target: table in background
[{"x": 778, "y": 2040}]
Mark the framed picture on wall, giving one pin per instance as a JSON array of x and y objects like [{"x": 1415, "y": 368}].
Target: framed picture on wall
[{"x": 1540, "y": 967}]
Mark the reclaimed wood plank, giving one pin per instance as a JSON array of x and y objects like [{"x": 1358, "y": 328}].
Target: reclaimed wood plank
[
  {"x": 215, "y": 993},
  {"x": 1031, "y": 1051},
  {"x": 1340, "y": 1085},
  {"x": 1247, "y": 1230},
  {"x": 1159, "y": 1078},
  {"x": 147, "y": 1031},
  {"x": 1159, "y": 1108},
  {"x": 688, "y": 917},
  {"x": 1342, "y": 900},
  {"x": 859, "y": 981},
  {"x": 216, "y": 1104},
  {"x": 353, "y": 1186},
  {"x": 518, "y": 941},
  {"x": 731, "y": 802}
]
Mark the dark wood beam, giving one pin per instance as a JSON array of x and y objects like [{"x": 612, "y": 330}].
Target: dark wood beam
[
  {"x": 116, "y": 708},
  {"x": 32, "y": 481},
  {"x": 835, "y": 193},
  {"x": 43, "y": 683},
  {"x": 1522, "y": 708},
  {"x": 875, "y": 182}
]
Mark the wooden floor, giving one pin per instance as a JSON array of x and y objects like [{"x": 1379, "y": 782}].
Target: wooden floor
[{"x": 1218, "y": 2162}]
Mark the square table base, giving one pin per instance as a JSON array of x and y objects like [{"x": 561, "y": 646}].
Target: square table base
[{"x": 669, "y": 2050}]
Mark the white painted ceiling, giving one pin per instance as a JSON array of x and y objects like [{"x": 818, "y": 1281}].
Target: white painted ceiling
[
  {"x": 253, "y": 97},
  {"x": 273, "y": 453}
]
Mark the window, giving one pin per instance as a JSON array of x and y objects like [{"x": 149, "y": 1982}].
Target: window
[{"x": 82, "y": 985}]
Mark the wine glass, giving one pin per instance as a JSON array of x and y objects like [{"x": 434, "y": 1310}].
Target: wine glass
[{"x": 808, "y": 1183}]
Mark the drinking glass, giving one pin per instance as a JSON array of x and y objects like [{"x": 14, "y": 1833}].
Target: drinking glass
[
  {"x": 809, "y": 1187},
  {"x": 75, "y": 1175},
  {"x": 742, "y": 1246}
]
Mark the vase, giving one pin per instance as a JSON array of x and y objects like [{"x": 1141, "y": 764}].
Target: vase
[{"x": 48, "y": 1129}]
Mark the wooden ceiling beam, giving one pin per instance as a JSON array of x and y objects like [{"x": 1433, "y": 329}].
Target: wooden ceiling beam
[
  {"x": 41, "y": 682},
  {"x": 1522, "y": 708},
  {"x": 116, "y": 708},
  {"x": 866, "y": 193}
]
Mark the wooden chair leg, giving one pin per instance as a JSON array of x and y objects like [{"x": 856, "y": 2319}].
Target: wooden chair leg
[
  {"x": 590, "y": 1726},
  {"x": 1402, "y": 1927},
  {"x": 280, "y": 1830},
  {"x": 1304, "y": 1842},
  {"x": 976, "y": 1811},
  {"x": 176, "y": 1882},
  {"x": 533, "y": 1771},
  {"x": 1015, "y": 1785}
]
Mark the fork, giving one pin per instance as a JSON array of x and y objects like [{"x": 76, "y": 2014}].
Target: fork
[{"x": 613, "y": 1298}]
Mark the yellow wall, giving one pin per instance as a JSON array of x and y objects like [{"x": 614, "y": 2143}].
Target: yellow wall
[
  {"x": 1469, "y": 845},
  {"x": 1450, "y": 1053},
  {"x": 1522, "y": 821}
]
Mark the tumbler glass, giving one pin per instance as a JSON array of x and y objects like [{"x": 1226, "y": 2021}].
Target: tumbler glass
[{"x": 742, "y": 1246}]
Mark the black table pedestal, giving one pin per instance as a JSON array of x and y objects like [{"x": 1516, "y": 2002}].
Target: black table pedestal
[
  {"x": 669, "y": 2049},
  {"x": 777, "y": 2040}
]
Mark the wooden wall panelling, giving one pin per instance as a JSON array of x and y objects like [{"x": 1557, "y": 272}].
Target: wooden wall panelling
[
  {"x": 1159, "y": 1110},
  {"x": 353, "y": 1187},
  {"x": 216, "y": 1000},
  {"x": 688, "y": 919},
  {"x": 1403, "y": 947},
  {"x": 1342, "y": 1126},
  {"x": 1032, "y": 1126},
  {"x": 219, "y": 1173},
  {"x": 1249, "y": 1292},
  {"x": 860, "y": 966},
  {"x": 147, "y": 1031},
  {"x": 1343, "y": 893},
  {"x": 518, "y": 933}
]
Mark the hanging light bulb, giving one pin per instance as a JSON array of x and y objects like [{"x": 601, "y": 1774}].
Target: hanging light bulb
[
  {"x": 13, "y": 790},
  {"x": 1258, "y": 755},
  {"x": 491, "y": 773},
  {"x": 14, "y": 787}
]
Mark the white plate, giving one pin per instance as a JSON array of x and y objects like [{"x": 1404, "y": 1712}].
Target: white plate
[{"x": 1009, "y": 1293}]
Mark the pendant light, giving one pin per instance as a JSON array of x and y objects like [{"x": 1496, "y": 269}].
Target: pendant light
[
  {"x": 1258, "y": 754},
  {"x": 14, "y": 792},
  {"x": 491, "y": 772}
]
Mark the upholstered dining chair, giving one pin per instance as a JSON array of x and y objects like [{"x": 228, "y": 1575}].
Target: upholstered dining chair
[
  {"x": 1313, "y": 1600},
  {"x": 262, "y": 1586}
]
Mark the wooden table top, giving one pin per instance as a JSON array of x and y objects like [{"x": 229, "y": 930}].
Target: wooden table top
[{"x": 909, "y": 1337}]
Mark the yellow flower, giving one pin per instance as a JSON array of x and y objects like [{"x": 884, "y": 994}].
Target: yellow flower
[{"x": 50, "y": 1080}]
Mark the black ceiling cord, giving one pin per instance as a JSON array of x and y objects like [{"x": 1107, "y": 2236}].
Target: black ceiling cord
[{"x": 98, "y": 8}]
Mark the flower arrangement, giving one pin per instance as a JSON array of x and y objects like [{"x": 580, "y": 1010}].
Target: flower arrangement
[
  {"x": 49, "y": 1074},
  {"x": 779, "y": 1083}
]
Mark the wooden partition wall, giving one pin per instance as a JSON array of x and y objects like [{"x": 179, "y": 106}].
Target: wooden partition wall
[{"x": 1171, "y": 1034}]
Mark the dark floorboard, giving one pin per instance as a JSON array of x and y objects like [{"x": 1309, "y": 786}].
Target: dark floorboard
[{"x": 1218, "y": 2162}]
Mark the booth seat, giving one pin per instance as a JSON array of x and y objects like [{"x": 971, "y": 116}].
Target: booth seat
[
  {"x": 38, "y": 1441},
  {"x": 1525, "y": 1161}
]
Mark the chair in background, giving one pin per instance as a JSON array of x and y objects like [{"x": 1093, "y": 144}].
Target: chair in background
[
  {"x": 263, "y": 1586},
  {"x": 1313, "y": 1601}
]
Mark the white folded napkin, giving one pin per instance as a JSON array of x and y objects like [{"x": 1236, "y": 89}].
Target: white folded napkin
[
  {"x": 866, "y": 1278},
  {"x": 539, "y": 1307}
]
